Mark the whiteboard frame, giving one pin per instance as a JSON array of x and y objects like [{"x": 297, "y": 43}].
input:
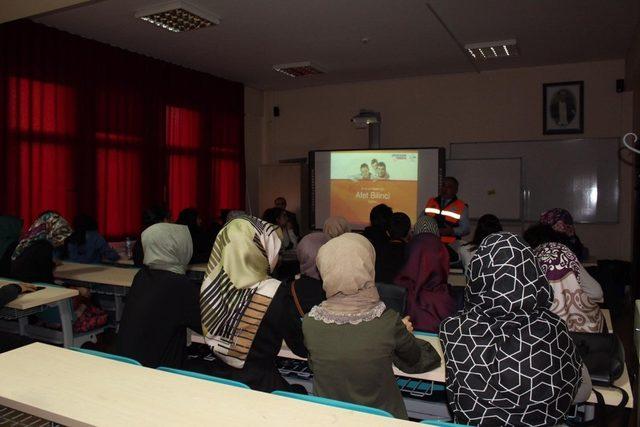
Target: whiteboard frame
[
  {"x": 521, "y": 192},
  {"x": 558, "y": 140}
]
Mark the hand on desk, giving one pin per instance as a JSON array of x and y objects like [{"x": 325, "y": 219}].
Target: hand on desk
[
  {"x": 26, "y": 288},
  {"x": 407, "y": 323}
]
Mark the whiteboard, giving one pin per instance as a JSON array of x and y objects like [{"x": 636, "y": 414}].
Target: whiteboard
[
  {"x": 580, "y": 175},
  {"x": 490, "y": 186}
]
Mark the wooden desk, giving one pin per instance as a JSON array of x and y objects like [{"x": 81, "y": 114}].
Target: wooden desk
[
  {"x": 77, "y": 389},
  {"x": 35, "y": 302},
  {"x": 99, "y": 274}
]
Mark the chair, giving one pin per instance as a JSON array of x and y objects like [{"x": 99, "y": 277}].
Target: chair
[
  {"x": 335, "y": 403},
  {"x": 106, "y": 355},
  {"x": 204, "y": 377}
]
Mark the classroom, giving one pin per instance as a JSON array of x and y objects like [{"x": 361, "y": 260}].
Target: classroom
[{"x": 382, "y": 212}]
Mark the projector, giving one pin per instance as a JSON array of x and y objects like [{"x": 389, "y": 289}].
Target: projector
[{"x": 365, "y": 118}]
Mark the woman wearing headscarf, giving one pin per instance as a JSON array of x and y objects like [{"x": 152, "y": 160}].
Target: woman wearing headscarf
[
  {"x": 32, "y": 260},
  {"x": 10, "y": 229},
  {"x": 306, "y": 290},
  {"x": 335, "y": 226},
  {"x": 352, "y": 339},
  {"x": 245, "y": 312},
  {"x": 509, "y": 359},
  {"x": 570, "y": 302},
  {"x": 562, "y": 222},
  {"x": 424, "y": 276},
  {"x": 426, "y": 224},
  {"x": 162, "y": 302}
]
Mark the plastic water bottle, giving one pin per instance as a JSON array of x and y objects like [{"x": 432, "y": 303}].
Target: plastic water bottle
[{"x": 128, "y": 247}]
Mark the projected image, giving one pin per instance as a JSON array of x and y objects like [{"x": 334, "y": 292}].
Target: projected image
[{"x": 360, "y": 180}]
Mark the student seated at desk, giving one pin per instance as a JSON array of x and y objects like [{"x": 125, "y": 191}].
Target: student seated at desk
[
  {"x": 306, "y": 289},
  {"x": 279, "y": 217},
  {"x": 32, "y": 260},
  {"x": 394, "y": 255},
  {"x": 86, "y": 245},
  {"x": 509, "y": 359},
  {"x": 7, "y": 294},
  {"x": 575, "y": 292},
  {"x": 162, "y": 302},
  {"x": 487, "y": 224},
  {"x": 245, "y": 312},
  {"x": 424, "y": 275},
  {"x": 352, "y": 338},
  {"x": 202, "y": 243},
  {"x": 151, "y": 216},
  {"x": 561, "y": 221},
  {"x": 378, "y": 233},
  {"x": 335, "y": 226}
]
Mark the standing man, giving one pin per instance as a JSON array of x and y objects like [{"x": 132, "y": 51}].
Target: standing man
[
  {"x": 281, "y": 202},
  {"x": 451, "y": 213}
]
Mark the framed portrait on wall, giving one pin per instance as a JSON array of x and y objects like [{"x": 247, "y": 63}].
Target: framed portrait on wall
[{"x": 563, "y": 108}]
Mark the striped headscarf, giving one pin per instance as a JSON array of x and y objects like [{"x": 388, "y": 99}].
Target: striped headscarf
[
  {"x": 426, "y": 224},
  {"x": 49, "y": 226},
  {"x": 237, "y": 288}
]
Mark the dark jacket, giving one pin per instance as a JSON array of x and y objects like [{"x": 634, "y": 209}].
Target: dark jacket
[
  {"x": 8, "y": 293},
  {"x": 35, "y": 263},
  {"x": 161, "y": 305}
]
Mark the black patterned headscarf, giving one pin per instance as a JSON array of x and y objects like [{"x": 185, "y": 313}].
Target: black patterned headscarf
[{"x": 509, "y": 360}]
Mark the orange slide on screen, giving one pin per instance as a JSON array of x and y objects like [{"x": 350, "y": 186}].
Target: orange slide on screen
[{"x": 361, "y": 180}]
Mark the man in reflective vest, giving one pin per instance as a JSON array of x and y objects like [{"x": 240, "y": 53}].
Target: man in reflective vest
[{"x": 451, "y": 213}]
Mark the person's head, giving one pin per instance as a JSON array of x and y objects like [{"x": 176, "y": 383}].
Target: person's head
[
  {"x": 307, "y": 252},
  {"x": 246, "y": 250},
  {"x": 347, "y": 267},
  {"x": 400, "y": 226},
  {"x": 81, "y": 224},
  {"x": 190, "y": 218},
  {"x": 167, "y": 247},
  {"x": 380, "y": 216},
  {"x": 382, "y": 169},
  {"x": 557, "y": 261},
  {"x": 280, "y": 202},
  {"x": 374, "y": 164},
  {"x": 426, "y": 224},
  {"x": 539, "y": 234},
  {"x": 49, "y": 226},
  {"x": 276, "y": 216},
  {"x": 560, "y": 220},
  {"x": 504, "y": 277},
  {"x": 154, "y": 215},
  {"x": 335, "y": 226},
  {"x": 449, "y": 188},
  {"x": 364, "y": 169},
  {"x": 426, "y": 266},
  {"x": 487, "y": 224}
]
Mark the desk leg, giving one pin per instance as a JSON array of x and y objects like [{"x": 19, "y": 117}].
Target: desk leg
[
  {"x": 66, "y": 320},
  {"x": 119, "y": 308}
]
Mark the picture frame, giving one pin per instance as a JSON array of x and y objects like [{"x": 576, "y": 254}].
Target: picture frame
[{"x": 563, "y": 108}]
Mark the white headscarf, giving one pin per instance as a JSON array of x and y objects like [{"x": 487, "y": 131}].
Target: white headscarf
[{"x": 167, "y": 247}]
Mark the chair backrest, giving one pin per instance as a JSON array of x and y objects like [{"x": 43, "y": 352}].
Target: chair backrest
[
  {"x": 204, "y": 377},
  {"x": 394, "y": 297},
  {"x": 335, "y": 403},
  {"x": 106, "y": 355}
]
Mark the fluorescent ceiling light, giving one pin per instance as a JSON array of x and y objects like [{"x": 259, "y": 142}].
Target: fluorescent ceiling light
[
  {"x": 178, "y": 16},
  {"x": 490, "y": 50}
]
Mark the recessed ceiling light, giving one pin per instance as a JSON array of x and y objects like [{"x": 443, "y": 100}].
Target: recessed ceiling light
[
  {"x": 178, "y": 16},
  {"x": 490, "y": 50},
  {"x": 298, "y": 69}
]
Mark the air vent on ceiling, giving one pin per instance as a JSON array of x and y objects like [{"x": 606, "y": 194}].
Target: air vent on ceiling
[
  {"x": 178, "y": 16},
  {"x": 490, "y": 50},
  {"x": 298, "y": 69}
]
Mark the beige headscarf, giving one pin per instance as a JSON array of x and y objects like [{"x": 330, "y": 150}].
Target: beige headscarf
[
  {"x": 167, "y": 247},
  {"x": 336, "y": 226},
  {"x": 347, "y": 266}
]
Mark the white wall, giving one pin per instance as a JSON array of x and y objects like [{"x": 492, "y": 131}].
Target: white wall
[{"x": 441, "y": 109}]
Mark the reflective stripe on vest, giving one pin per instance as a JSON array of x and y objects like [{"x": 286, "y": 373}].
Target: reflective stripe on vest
[
  {"x": 451, "y": 214},
  {"x": 432, "y": 211}
]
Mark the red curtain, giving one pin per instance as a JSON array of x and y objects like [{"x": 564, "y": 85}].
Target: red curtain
[{"x": 86, "y": 127}]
